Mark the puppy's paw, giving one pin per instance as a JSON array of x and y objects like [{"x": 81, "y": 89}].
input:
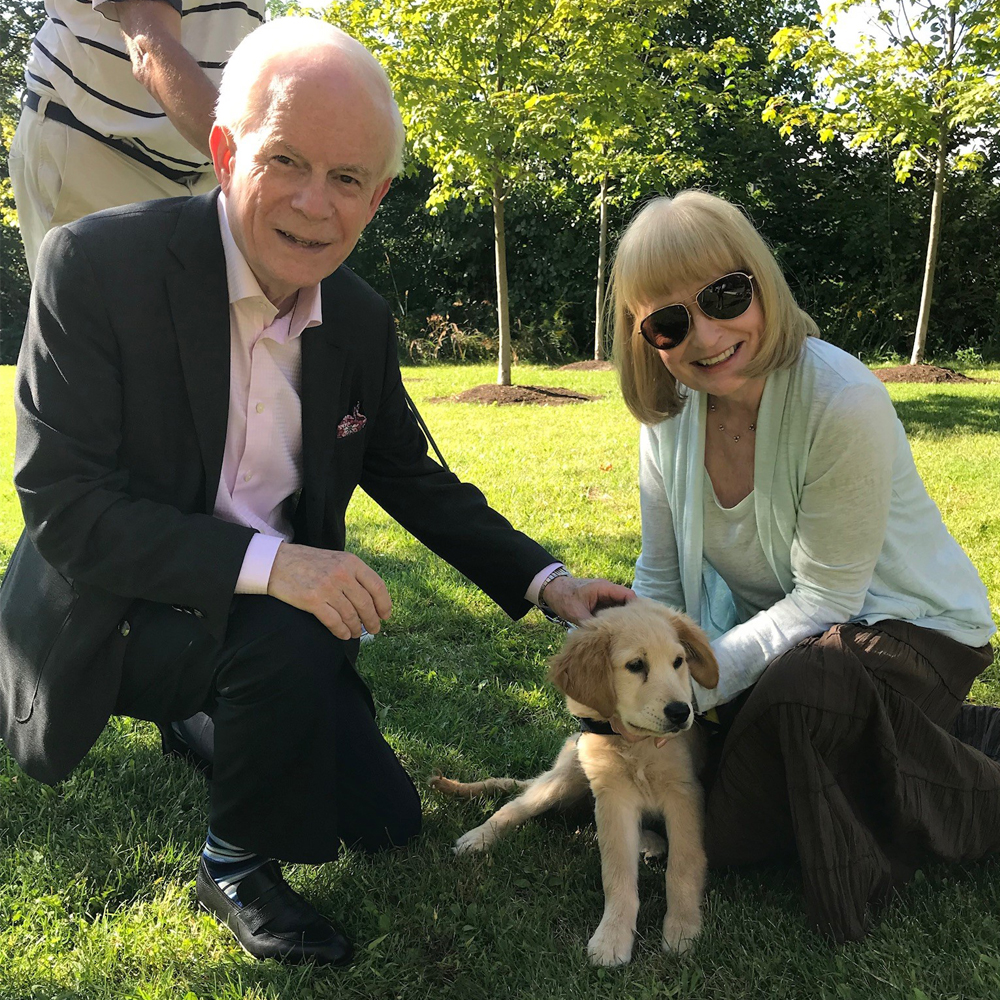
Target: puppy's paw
[
  {"x": 651, "y": 845},
  {"x": 478, "y": 839},
  {"x": 611, "y": 944},
  {"x": 680, "y": 933}
]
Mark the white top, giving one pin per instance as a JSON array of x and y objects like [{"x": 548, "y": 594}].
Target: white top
[
  {"x": 842, "y": 516},
  {"x": 732, "y": 548},
  {"x": 79, "y": 59}
]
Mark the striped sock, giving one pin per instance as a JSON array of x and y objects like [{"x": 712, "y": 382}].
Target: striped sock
[{"x": 229, "y": 864}]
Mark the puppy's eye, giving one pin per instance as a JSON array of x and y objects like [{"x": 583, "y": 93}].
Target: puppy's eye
[
  {"x": 637, "y": 666},
  {"x": 678, "y": 662}
]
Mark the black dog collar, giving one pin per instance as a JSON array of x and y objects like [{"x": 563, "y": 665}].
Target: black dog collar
[{"x": 598, "y": 726}]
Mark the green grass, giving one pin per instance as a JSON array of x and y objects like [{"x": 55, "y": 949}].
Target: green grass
[{"x": 97, "y": 876}]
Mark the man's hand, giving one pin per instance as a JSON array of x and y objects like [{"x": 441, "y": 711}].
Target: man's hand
[
  {"x": 337, "y": 587},
  {"x": 576, "y": 600}
]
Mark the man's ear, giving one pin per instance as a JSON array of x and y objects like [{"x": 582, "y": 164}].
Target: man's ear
[
  {"x": 701, "y": 660},
  {"x": 582, "y": 669},
  {"x": 377, "y": 196},
  {"x": 223, "y": 147}
]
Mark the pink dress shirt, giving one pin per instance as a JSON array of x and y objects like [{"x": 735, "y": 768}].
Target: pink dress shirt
[{"x": 262, "y": 462}]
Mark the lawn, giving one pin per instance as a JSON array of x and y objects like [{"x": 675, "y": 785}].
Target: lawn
[{"x": 97, "y": 875}]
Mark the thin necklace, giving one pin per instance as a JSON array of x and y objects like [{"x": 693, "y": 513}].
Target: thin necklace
[{"x": 722, "y": 427}]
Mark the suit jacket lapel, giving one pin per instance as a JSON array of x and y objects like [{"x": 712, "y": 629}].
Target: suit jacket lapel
[{"x": 199, "y": 303}]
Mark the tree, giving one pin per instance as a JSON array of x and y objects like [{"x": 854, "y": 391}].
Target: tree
[
  {"x": 627, "y": 110},
  {"x": 928, "y": 95},
  {"x": 490, "y": 92},
  {"x": 637, "y": 134}
]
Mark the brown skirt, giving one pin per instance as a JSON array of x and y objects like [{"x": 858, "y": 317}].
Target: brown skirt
[{"x": 842, "y": 754}]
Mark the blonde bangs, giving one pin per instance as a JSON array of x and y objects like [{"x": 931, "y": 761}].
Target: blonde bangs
[{"x": 666, "y": 248}]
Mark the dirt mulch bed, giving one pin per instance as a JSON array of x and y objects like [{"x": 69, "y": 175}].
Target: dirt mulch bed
[
  {"x": 587, "y": 366},
  {"x": 921, "y": 373},
  {"x": 503, "y": 395}
]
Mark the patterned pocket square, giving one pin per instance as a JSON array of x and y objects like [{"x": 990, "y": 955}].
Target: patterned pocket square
[{"x": 352, "y": 423}]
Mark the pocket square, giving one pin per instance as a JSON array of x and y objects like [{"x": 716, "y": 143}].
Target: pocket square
[{"x": 352, "y": 423}]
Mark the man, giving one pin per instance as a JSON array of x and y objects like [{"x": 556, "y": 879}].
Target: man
[
  {"x": 118, "y": 104},
  {"x": 202, "y": 388}
]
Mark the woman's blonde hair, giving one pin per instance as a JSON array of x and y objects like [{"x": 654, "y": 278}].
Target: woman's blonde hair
[{"x": 676, "y": 242}]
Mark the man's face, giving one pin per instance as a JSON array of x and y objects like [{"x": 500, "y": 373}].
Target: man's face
[{"x": 306, "y": 179}]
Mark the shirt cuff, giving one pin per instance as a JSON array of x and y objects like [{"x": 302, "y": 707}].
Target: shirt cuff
[
  {"x": 531, "y": 594},
  {"x": 257, "y": 562}
]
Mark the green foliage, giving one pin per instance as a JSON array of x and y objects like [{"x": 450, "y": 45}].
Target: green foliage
[
  {"x": 933, "y": 87},
  {"x": 502, "y": 96},
  {"x": 934, "y": 82}
]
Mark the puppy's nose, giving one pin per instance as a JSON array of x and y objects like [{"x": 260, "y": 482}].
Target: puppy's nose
[{"x": 677, "y": 713}]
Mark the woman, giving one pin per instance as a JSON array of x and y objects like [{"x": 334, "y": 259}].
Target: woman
[{"x": 782, "y": 510}]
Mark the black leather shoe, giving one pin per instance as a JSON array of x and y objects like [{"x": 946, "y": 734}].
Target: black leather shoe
[{"x": 274, "y": 921}]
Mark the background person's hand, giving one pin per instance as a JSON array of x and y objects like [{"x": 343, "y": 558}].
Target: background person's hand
[
  {"x": 337, "y": 587},
  {"x": 576, "y": 600}
]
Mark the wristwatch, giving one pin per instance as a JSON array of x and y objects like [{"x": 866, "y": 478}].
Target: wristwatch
[{"x": 542, "y": 606}]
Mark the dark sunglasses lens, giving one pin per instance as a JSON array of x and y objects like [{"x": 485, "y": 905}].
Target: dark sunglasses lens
[
  {"x": 666, "y": 327},
  {"x": 726, "y": 298}
]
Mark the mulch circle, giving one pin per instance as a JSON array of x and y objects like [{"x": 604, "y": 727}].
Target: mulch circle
[
  {"x": 921, "y": 373},
  {"x": 502, "y": 395},
  {"x": 587, "y": 366}
]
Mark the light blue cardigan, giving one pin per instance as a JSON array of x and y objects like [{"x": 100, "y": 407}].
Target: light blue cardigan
[{"x": 843, "y": 517}]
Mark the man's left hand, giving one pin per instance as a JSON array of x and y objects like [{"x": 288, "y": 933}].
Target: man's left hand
[{"x": 576, "y": 600}]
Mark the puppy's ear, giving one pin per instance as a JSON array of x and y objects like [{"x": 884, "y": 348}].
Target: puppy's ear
[
  {"x": 582, "y": 669},
  {"x": 701, "y": 660}
]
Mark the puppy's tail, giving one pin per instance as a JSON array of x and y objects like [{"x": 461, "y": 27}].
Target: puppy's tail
[{"x": 472, "y": 789}]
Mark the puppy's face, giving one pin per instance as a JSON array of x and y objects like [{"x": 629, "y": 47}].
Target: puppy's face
[{"x": 635, "y": 662}]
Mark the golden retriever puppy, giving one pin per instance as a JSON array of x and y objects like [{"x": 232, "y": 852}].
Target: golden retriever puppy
[{"x": 630, "y": 666}]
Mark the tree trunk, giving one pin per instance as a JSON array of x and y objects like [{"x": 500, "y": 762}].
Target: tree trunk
[
  {"x": 937, "y": 202},
  {"x": 930, "y": 264},
  {"x": 601, "y": 255},
  {"x": 503, "y": 307}
]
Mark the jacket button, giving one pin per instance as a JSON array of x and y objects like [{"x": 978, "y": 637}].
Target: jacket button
[{"x": 124, "y": 627}]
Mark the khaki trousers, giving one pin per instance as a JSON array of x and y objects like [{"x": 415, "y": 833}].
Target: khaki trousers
[{"x": 59, "y": 175}]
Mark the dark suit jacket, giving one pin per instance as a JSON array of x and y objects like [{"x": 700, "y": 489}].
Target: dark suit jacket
[{"x": 122, "y": 401}]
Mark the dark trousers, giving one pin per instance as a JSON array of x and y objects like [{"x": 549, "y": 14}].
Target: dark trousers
[
  {"x": 300, "y": 765},
  {"x": 842, "y": 755}
]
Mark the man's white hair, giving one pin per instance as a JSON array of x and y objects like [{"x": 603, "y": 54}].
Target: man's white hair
[{"x": 245, "y": 92}]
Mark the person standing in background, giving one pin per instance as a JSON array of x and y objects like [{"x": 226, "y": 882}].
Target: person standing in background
[{"x": 118, "y": 104}]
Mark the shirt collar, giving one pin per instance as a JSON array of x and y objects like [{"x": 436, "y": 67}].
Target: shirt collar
[{"x": 243, "y": 284}]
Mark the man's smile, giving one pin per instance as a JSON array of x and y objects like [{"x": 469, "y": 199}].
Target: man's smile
[{"x": 299, "y": 241}]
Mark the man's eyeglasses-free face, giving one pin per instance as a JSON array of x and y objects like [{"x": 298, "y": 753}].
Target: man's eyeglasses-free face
[{"x": 725, "y": 298}]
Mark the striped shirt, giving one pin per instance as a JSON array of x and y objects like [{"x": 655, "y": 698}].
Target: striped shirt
[{"x": 79, "y": 59}]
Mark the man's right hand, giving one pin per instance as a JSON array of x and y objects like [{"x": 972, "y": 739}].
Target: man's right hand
[{"x": 337, "y": 587}]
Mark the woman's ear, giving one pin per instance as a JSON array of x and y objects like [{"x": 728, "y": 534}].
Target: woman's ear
[{"x": 582, "y": 669}]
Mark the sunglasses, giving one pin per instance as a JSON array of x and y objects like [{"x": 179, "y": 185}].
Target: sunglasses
[{"x": 725, "y": 298}]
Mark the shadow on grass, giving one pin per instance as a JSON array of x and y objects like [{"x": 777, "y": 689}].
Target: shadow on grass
[{"x": 949, "y": 413}]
